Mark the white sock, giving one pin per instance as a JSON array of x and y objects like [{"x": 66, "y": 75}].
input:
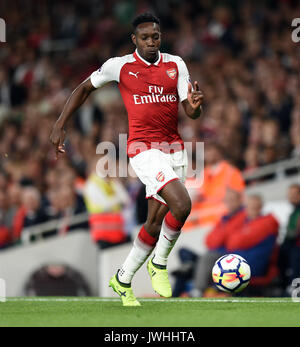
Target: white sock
[
  {"x": 135, "y": 259},
  {"x": 165, "y": 244}
]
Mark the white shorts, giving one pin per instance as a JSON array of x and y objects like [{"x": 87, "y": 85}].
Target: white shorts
[{"x": 156, "y": 168}]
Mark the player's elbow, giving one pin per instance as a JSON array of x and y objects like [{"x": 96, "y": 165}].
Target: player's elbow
[{"x": 85, "y": 88}]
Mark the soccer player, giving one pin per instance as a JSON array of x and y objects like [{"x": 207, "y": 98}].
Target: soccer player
[{"x": 151, "y": 84}]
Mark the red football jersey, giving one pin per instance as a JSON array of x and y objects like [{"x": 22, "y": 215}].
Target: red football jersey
[{"x": 151, "y": 93}]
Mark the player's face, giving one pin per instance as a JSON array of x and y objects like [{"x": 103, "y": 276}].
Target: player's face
[{"x": 147, "y": 40}]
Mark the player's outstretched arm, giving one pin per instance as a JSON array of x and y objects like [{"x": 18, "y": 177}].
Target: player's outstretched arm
[
  {"x": 77, "y": 98},
  {"x": 192, "y": 105}
]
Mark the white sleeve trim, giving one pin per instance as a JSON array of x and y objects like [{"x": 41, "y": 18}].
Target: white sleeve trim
[{"x": 183, "y": 79}]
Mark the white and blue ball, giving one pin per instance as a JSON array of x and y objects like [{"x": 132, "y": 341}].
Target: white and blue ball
[{"x": 231, "y": 273}]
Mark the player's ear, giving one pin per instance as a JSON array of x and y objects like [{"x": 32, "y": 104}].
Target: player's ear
[{"x": 133, "y": 38}]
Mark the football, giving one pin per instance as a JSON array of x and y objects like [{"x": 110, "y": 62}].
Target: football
[{"x": 231, "y": 273}]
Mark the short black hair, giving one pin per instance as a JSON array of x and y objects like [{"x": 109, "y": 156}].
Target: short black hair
[{"x": 146, "y": 17}]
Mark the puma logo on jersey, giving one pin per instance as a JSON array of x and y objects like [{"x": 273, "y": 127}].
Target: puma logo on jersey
[{"x": 133, "y": 74}]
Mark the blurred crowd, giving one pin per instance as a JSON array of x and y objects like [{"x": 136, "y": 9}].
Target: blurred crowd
[
  {"x": 240, "y": 52},
  {"x": 245, "y": 229}
]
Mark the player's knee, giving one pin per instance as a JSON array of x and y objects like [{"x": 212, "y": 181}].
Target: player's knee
[
  {"x": 153, "y": 228},
  {"x": 181, "y": 209}
]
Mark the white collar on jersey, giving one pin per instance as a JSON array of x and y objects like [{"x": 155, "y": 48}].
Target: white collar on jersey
[{"x": 147, "y": 62}]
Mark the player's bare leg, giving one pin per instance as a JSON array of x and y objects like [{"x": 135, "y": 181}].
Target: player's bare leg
[
  {"x": 156, "y": 214},
  {"x": 179, "y": 203}
]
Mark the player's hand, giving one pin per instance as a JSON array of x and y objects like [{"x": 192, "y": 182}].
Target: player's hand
[
  {"x": 57, "y": 138},
  {"x": 195, "y": 97}
]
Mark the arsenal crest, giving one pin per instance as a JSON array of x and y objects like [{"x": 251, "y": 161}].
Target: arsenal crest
[
  {"x": 172, "y": 73},
  {"x": 160, "y": 177}
]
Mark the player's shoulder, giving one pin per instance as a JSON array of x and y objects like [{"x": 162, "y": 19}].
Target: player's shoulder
[
  {"x": 120, "y": 61},
  {"x": 110, "y": 70},
  {"x": 167, "y": 58}
]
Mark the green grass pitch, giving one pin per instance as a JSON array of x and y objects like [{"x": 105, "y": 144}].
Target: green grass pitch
[{"x": 108, "y": 312}]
